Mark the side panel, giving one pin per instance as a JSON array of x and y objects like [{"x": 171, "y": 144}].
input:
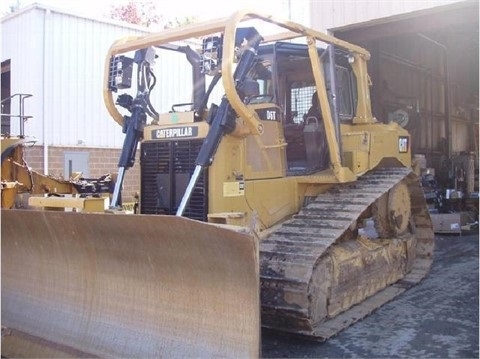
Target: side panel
[
  {"x": 365, "y": 146},
  {"x": 265, "y": 153}
]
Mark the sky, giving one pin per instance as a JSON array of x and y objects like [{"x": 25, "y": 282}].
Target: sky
[{"x": 201, "y": 9}]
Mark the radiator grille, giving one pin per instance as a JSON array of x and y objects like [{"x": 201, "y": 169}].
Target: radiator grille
[{"x": 166, "y": 168}]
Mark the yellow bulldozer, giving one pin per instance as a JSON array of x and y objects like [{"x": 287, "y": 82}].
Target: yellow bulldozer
[{"x": 274, "y": 198}]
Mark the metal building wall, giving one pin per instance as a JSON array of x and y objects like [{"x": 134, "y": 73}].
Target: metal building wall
[
  {"x": 75, "y": 51},
  {"x": 22, "y": 43},
  {"x": 327, "y": 14},
  {"x": 59, "y": 58}
]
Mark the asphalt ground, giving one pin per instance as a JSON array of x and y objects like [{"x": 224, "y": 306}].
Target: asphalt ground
[{"x": 438, "y": 318}]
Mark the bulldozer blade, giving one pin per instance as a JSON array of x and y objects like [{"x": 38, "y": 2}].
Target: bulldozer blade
[{"x": 114, "y": 285}]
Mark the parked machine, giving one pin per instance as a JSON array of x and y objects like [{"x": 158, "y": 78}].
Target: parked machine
[
  {"x": 21, "y": 186},
  {"x": 257, "y": 205}
]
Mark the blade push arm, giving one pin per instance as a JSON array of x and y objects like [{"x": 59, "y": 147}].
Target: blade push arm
[
  {"x": 223, "y": 118},
  {"x": 133, "y": 129},
  {"x": 133, "y": 125}
]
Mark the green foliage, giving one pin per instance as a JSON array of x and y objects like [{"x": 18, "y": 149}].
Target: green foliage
[
  {"x": 13, "y": 6},
  {"x": 179, "y": 22}
]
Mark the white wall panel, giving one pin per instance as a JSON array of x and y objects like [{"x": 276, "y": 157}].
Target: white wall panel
[
  {"x": 174, "y": 80},
  {"x": 22, "y": 44},
  {"x": 59, "y": 58},
  {"x": 75, "y": 50},
  {"x": 328, "y": 14}
]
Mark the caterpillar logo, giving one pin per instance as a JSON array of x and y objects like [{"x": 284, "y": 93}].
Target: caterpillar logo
[{"x": 175, "y": 132}]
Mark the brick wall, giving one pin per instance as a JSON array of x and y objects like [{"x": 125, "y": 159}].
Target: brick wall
[{"x": 101, "y": 161}]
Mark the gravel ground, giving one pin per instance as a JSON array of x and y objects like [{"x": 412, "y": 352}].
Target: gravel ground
[{"x": 436, "y": 319}]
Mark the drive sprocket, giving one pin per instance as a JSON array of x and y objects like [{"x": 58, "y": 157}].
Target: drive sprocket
[{"x": 391, "y": 212}]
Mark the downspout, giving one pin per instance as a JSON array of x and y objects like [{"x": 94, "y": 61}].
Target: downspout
[{"x": 44, "y": 95}]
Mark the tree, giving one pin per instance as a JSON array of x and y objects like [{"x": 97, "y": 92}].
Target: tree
[
  {"x": 13, "y": 6},
  {"x": 179, "y": 22},
  {"x": 137, "y": 12},
  {"x": 144, "y": 13}
]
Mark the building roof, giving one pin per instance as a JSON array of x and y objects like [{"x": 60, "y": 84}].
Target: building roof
[{"x": 100, "y": 19}]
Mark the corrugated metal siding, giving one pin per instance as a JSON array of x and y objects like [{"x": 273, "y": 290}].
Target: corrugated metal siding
[
  {"x": 328, "y": 14},
  {"x": 59, "y": 58},
  {"x": 24, "y": 48},
  {"x": 75, "y": 50},
  {"x": 174, "y": 80},
  {"x": 295, "y": 10}
]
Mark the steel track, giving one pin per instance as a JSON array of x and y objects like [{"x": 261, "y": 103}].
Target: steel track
[{"x": 289, "y": 256}]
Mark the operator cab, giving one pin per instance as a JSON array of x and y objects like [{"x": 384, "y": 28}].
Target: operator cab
[
  {"x": 281, "y": 82},
  {"x": 293, "y": 89}
]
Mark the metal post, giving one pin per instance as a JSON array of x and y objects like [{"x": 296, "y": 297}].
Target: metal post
[
  {"x": 118, "y": 185},
  {"x": 333, "y": 90},
  {"x": 189, "y": 190},
  {"x": 21, "y": 113}
]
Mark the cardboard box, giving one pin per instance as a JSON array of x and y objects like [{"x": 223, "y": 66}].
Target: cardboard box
[{"x": 449, "y": 222}]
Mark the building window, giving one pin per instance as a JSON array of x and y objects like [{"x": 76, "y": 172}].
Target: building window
[{"x": 76, "y": 162}]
